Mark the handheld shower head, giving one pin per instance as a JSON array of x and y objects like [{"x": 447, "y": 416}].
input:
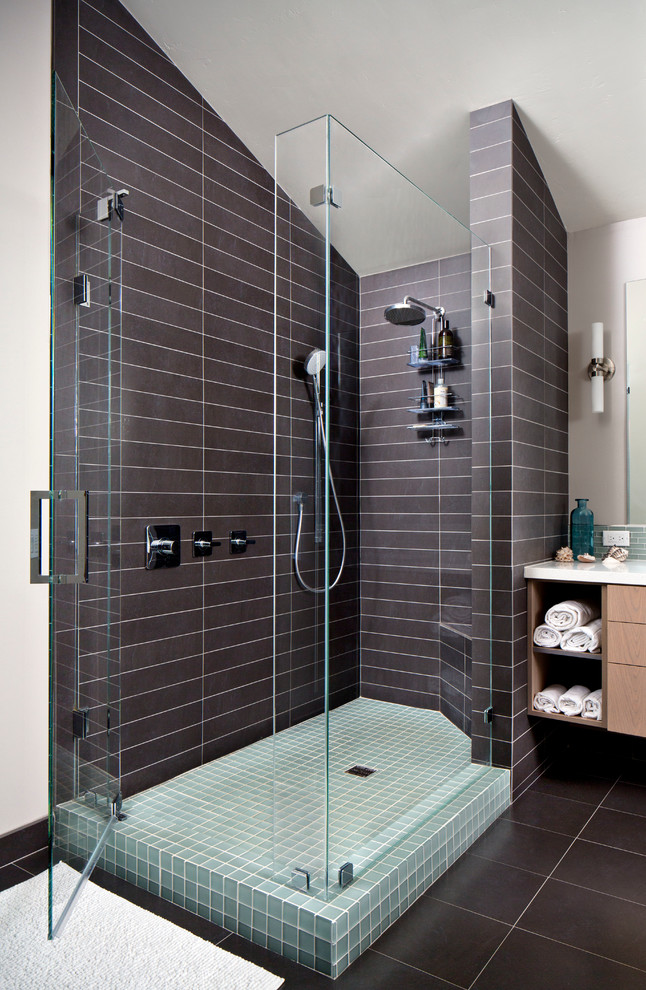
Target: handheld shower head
[
  {"x": 314, "y": 363},
  {"x": 411, "y": 312}
]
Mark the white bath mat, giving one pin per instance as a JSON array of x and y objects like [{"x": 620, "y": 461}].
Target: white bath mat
[{"x": 108, "y": 942}]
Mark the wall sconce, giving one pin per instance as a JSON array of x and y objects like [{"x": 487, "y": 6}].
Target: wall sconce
[{"x": 600, "y": 370}]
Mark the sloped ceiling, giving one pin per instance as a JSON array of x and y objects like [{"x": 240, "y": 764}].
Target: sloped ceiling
[{"x": 404, "y": 75}]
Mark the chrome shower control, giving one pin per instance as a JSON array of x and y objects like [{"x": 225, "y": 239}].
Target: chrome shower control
[
  {"x": 203, "y": 543},
  {"x": 162, "y": 547},
  {"x": 238, "y": 541}
]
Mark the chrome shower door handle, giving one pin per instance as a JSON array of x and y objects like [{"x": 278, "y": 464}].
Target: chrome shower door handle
[{"x": 80, "y": 575}]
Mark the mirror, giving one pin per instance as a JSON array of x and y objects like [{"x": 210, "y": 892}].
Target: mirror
[{"x": 636, "y": 399}]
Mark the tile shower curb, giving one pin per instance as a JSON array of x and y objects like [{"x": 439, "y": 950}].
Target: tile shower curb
[{"x": 325, "y": 936}]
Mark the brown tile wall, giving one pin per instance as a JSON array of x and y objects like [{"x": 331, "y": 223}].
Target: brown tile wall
[
  {"x": 512, "y": 210},
  {"x": 23, "y": 853},
  {"x": 197, "y": 406},
  {"x": 197, "y": 428},
  {"x": 415, "y": 504}
]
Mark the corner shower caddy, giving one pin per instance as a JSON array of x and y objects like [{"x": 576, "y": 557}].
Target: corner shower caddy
[{"x": 438, "y": 425}]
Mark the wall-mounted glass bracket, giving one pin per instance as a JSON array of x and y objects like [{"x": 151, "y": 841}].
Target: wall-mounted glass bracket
[
  {"x": 488, "y": 298},
  {"x": 82, "y": 291},
  {"x": 111, "y": 203},
  {"x": 81, "y": 723},
  {"x": 320, "y": 195}
]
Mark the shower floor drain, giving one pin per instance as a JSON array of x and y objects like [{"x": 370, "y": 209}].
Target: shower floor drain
[{"x": 360, "y": 771}]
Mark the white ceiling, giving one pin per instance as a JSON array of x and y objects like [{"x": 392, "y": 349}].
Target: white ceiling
[{"x": 404, "y": 75}]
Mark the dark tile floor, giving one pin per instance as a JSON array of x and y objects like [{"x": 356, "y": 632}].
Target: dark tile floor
[{"x": 552, "y": 895}]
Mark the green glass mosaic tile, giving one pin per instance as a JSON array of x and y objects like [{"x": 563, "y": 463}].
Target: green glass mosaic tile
[{"x": 198, "y": 838}]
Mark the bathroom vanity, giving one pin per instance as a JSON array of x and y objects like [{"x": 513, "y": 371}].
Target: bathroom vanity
[{"x": 619, "y": 591}]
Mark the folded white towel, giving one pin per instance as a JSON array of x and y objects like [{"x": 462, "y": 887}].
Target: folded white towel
[
  {"x": 592, "y": 705},
  {"x": 547, "y": 700},
  {"x": 583, "y": 639},
  {"x": 571, "y": 613},
  {"x": 545, "y": 635},
  {"x": 571, "y": 702}
]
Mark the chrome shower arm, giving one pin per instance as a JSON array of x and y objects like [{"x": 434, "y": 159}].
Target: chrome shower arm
[{"x": 438, "y": 310}]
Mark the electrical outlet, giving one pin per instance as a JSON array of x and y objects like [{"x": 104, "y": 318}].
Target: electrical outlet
[{"x": 616, "y": 538}]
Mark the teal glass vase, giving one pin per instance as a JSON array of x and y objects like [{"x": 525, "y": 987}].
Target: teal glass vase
[{"x": 582, "y": 528}]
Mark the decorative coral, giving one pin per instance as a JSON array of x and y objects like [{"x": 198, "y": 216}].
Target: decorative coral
[{"x": 564, "y": 553}]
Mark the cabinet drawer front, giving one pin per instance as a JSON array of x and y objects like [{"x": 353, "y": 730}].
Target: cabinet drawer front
[
  {"x": 626, "y": 696},
  {"x": 626, "y": 643},
  {"x": 626, "y": 603}
]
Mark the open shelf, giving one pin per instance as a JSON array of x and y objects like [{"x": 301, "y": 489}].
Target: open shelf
[
  {"x": 425, "y": 427},
  {"x": 575, "y": 654},
  {"x": 438, "y": 426},
  {"x": 592, "y": 722},
  {"x": 434, "y": 409},
  {"x": 547, "y": 665},
  {"x": 434, "y": 363}
]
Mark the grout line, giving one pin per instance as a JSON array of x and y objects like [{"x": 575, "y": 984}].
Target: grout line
[
  {"x": 547, "y": 878},
  {"x": 410, "y": 966},
  {"x": 596, "y": 955}
]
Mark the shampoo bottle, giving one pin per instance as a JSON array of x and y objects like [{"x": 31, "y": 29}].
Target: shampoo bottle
[
  {"x": 423, "y": 350},
  {"x": 445, "y": 341},
  {"x": 440, "y": 394}
]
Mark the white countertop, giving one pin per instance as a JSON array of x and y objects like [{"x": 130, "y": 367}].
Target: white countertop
[{"x": 601, "y": 572}]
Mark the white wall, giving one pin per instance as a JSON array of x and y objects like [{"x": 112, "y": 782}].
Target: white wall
[
  {"x": 25, "y": 32},
  {"x": 600, "y": 262}
]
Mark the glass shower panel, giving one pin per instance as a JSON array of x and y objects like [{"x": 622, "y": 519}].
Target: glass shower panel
[
  {"x": 415, "y": 594},
  {"x": 84, "y": 460},
  {"x": 300, "y": 496}
]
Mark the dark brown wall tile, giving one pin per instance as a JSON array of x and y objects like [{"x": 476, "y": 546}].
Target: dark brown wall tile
[{"x": 532, "y": 285}]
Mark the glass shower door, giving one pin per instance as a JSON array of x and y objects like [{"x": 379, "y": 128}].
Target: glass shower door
[
  {"x": 389, "y": 733},
  {"x": 78, "y": 516}
]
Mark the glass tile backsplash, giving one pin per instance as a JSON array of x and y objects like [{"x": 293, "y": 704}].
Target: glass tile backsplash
[{"x": 637, "y": 548}]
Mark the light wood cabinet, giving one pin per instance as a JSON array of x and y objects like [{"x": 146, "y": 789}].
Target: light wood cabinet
[
  {"x": 627, "y": 603},
  {"x": 627, "y": 660},
  {"x": 627, "y": 699},
  {"x": 620, "y": 669},
  {"x": 627, "y": 643}
]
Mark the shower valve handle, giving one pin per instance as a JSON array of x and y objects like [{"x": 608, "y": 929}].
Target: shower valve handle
[
  {"x": 238, "y": 541},
  {"x": 203, "y": 543},
  {"x": 163, "y": 546}
]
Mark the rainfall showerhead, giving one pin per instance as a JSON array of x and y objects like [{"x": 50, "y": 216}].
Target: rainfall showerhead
[
  {"x": 314, "y": 363},
  {"x": 410, "y": 312}
]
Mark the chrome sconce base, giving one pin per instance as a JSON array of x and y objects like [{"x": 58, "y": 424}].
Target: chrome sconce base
[{"x": 601, "y": 368}]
